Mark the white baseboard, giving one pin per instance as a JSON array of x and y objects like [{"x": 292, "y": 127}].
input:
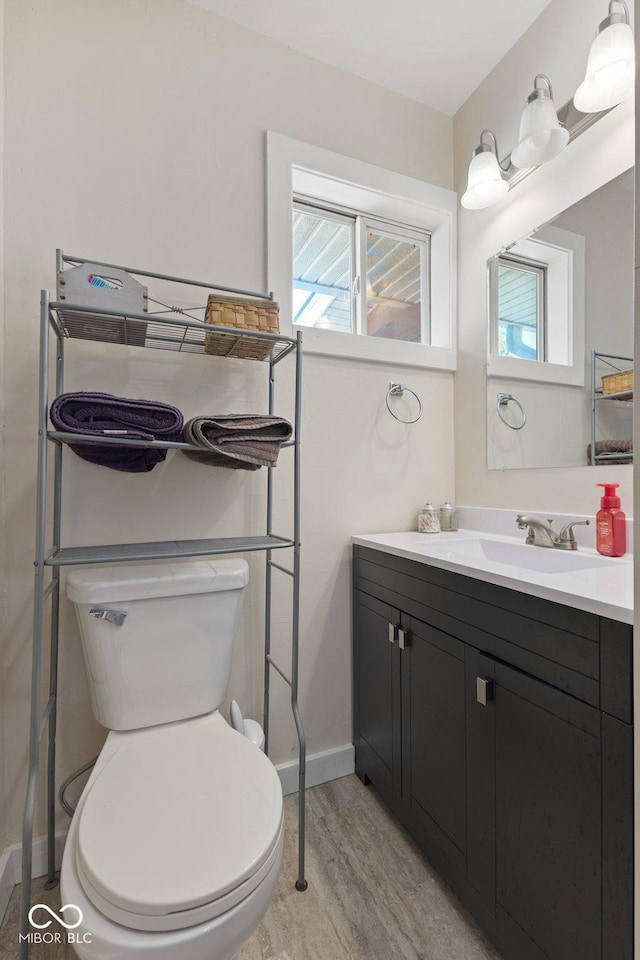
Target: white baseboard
[
  {"x": 11, "y": 866},
  {"x": 321, "y": 767}
]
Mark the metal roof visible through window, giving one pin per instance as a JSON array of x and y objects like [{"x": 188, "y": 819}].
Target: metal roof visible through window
[{"x": 322, "y": 267}]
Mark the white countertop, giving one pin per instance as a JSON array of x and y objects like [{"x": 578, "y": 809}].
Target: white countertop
[{"x": 581, "y": 579}]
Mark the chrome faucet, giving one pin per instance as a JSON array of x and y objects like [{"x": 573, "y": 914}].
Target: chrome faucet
[{"x": 540, "y": 533}]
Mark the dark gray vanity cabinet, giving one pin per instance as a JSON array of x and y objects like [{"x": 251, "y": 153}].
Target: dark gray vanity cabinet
[{"x": 497, "y": 726}]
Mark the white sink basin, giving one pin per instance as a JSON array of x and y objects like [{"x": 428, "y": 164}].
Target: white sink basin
[{"x": 524, "y": 556}]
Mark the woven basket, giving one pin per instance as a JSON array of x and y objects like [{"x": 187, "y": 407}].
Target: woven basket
[
  {"x": 617, "y": 382},
  {"x": 255, "y": 316}
]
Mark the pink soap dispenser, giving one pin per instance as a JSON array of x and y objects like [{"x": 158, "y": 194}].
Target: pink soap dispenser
[{"x": 611, "y": 532}]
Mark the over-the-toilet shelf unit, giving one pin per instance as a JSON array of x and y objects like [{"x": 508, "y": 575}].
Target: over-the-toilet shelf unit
[
  {"x": 598, "y": 394},
  {"x": 169, "y": 328}
]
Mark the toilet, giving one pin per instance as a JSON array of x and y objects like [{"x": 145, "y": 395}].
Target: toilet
[{"x": 175, "y": 847}]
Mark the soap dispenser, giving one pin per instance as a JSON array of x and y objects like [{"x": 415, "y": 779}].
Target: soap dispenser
[{"x": 611, "y": 532}]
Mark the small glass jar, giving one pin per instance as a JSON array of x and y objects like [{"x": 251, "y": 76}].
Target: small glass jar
[
  {"x": 428, "y": 519},
  {"x": 448, "y": 516}
]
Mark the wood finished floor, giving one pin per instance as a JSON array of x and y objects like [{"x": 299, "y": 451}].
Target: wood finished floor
[{"x": 372, "y": 894}]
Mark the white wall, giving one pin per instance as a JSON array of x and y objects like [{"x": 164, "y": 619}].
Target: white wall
[
  {"x": 135, "y": 134},
  {"x": 556, "y": 44}
]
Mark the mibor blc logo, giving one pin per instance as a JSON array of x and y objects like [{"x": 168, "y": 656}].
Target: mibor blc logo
[{"x": 41, "y": 917}]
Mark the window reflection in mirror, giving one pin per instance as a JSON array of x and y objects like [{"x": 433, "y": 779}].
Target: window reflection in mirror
[{"x": 519, "y": 317}]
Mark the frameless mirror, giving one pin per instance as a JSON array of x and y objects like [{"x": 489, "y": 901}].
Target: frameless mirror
[{"x": 560, "y": 381}]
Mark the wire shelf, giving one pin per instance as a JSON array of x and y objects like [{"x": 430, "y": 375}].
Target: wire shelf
[
  {"x": 172, "y": 332},
  {"x": 163, "y": 550},
  {"x": 621, "y": 395},
  {"x": 84, "y": 439},
  {"x": 616, "y": 455}
]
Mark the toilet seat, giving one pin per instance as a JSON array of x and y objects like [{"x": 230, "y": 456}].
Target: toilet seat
[{"x": 181, "y": 824}]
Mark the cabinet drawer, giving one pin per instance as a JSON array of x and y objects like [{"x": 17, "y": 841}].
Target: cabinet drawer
[
  {"x": 588, "y": 656},
  {"x": 563, "y": 660},
  {"x": 564, "y": 618}
]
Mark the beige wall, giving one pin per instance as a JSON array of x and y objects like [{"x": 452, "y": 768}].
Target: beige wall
[
  {"x": 135, "y": 134},
  {"x": 3, "y": 553},
  {"x": 556, "y": 44}
]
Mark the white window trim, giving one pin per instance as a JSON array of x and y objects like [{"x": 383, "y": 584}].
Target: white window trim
[
  {"x": 571, "y": 328},
  {"x": 300, "y": 168}
]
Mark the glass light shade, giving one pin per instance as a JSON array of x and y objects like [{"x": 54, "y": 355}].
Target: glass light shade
[
  {"x": 610, "y": 73},
  {"x": 541, "y": 136},
  {"x": 485, "y": 185}
]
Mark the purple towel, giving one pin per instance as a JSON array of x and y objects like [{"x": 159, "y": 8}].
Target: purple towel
[{"x": 97, "y": 414}]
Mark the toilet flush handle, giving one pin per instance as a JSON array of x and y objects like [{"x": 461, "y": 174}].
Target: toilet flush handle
[{"x": 113, "y": 616}]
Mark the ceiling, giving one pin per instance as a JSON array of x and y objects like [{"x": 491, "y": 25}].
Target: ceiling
[{"x": 429, "y": 50}]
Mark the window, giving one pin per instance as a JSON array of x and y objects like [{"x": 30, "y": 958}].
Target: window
[
  {"x": 519, "y": 313},
  {"x": 323, "y": 258},
  {"x": 536, "y": 308},
  {"x": 386, "y": 292},
  {"x": 357, "y": 274}
]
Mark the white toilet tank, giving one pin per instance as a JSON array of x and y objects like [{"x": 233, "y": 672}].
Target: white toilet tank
[{"x": 157, "y": 638}]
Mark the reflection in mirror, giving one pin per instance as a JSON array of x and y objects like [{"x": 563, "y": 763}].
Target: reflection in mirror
[{"x": 566, "y": 286}]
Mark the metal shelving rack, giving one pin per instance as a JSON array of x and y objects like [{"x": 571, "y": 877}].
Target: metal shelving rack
[
  {"x": 170, "y": 328},
  {"x": 596, "y": 395}
]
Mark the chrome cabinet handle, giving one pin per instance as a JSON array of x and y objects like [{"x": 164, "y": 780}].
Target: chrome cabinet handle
[
  {"x": 392, "y": 633},
  {"x": 117, "y": 617},
  {"x": 484, "y": 690},
  {"x": 403, "y": 638}
]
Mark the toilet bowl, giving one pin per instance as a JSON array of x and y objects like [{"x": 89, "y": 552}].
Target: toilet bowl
[
  {"x": 176, "y": 845},
  {"x": 175, "y": 848}
]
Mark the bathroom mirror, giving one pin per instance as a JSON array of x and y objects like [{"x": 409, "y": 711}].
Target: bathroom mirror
[{"x": 561, "y": 308}]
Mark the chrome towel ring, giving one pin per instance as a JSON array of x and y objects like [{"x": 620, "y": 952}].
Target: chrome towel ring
[
  {"x": 503, "y": 400},
  {"x": 396, "y": 390}
]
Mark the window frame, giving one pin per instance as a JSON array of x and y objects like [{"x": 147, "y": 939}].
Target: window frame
[
  {"x": 539, "y": 270},
  {"x": 422, "y": 240},
  {"x": 304, "y": 169},
  {"x": 327, "y": 213},
  {"x": 361, "y": 224}
]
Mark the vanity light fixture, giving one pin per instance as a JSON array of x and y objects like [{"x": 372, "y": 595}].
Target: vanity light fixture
[
  {"x": 486, "y": 184},
  {"x": 541, "y": 135},
  {"x": 610, "y": 73}
]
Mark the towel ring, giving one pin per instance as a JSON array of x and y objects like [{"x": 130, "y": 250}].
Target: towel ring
[
  {"x": 503, "y": 401},
  {"x": 396, "y": 390}
]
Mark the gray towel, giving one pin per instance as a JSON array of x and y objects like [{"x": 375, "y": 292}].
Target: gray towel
[
  {"x": 611, "y": 446},
  {"x": 237, "y": 441}
]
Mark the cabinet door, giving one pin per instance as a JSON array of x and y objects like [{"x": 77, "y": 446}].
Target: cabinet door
[
  {"x": 377, "y": 693},
  {"x": 548, "y": 818},
  {"x": 433, "y": 706}
]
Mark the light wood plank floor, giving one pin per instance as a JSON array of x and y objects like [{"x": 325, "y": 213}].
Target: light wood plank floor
[{"x": 372, "y": 895}]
